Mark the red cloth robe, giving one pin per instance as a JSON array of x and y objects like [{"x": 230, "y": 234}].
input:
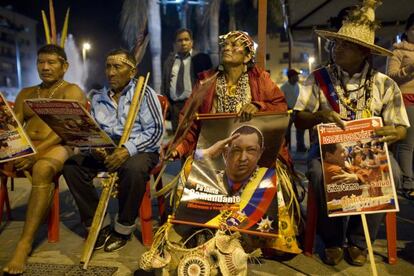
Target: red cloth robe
[{"x": 266, "y": 95}]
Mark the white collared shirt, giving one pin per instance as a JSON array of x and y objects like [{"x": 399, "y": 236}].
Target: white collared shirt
[
  {"x": 386, "y": 100},
  {"x": 187, "y": 78}
]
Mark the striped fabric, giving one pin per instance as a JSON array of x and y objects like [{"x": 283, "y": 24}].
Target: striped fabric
[
  {"x": 387, "y": 101},
  {"x": 146, "y": 134}
]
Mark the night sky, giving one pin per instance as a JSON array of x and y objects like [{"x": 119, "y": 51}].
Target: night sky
[
  {"x": 94, "y": 21},
  {"x": 98, "y": 23}
]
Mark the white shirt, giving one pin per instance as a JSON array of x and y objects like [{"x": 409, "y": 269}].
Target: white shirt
[
  {"x": 187, "y": 78},
  {"x": 291, "y": 93}
]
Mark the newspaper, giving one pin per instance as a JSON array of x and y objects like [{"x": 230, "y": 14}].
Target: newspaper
[
  {"x": 71, "y": 122},
  {"x": 356, "y": 169},
  {"x": 14, "y": 143}
]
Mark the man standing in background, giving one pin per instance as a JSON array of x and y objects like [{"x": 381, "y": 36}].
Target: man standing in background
[
  {"x": 291, "y": 91},
  {"x": 180, "y": 73}
]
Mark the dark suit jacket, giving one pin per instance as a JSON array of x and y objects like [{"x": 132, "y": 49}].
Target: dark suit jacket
[{"x": 199, "y": 63}]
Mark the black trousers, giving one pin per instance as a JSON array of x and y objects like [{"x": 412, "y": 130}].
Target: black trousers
[
  {"x": 175, "y": 108},
  {"x": 300, "y": 136},
  {"x": 333, "y": 231},
  {"x": 80, "y": 170}
]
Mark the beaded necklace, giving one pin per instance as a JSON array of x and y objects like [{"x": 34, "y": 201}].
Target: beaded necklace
[
  {"x": 230, "y": 99},
  {"x": 51, "y": 90},
  {"x": 355, "y": 106}
]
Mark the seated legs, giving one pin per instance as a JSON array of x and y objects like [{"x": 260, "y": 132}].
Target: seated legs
[{"x": 40, "y": 199}]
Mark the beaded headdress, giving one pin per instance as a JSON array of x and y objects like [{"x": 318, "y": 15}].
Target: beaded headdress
[
  {"x": 245, "y": 39},
  {"x": 121, "y": 59}
]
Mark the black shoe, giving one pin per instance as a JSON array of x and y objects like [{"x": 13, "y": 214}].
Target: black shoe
[
  {"x": 103, "y": 236},
  {"x": 116, "y": 241},
  {"x": 301, "y": 149},
  {"x": 356, "y": 256},
  {"x": 141, "y": 272},
  {"x": 333, "y": 255}
]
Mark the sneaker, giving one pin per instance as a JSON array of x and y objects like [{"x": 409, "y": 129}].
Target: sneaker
[
  {"x": 103, "y": 236},
  {"x": 116, "y": 241}
]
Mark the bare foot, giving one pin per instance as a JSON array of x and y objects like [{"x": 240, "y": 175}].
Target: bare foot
[{"x": 18, "y": 262}]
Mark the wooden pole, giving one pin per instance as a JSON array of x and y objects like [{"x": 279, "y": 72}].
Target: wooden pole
[
  {"x": 369, "y": 245},
  {"x": 107, "y": 189},
  {"x": 261, "y": 33}
]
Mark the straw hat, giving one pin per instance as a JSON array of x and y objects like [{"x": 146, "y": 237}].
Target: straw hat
[{"x": 359, "y": 28}]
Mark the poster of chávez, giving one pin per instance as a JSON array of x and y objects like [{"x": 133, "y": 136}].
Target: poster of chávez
[
  {"x": 356, "y": 169},
  {"x": 14, "y": 142},
  {"x": 71, "y": 122},
  {"x": 232, "y": 182}
]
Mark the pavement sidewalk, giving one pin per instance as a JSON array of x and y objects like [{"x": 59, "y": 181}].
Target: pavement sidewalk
[{"x": 69, "y": 248}]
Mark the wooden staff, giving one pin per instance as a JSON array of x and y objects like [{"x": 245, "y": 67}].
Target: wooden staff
[
  {"x": 369, "y": 245},
  {"x": 184, "y": 125},
  {"x": 108, "y": 187}
]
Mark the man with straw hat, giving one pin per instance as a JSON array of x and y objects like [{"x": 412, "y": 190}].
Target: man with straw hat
[{"x": 349, "y": 89}]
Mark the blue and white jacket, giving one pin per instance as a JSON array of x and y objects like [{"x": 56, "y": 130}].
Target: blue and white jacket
[{"x": 146, "y": 134}]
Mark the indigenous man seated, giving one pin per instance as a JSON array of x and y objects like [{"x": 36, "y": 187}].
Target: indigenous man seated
[
  {"x": 51, "y": 65},
  {"x": 133, "y": 161},
  {"x": 348, "y": 89}
]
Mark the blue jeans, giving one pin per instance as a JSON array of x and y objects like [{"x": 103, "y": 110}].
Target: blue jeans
[{"x": 404, "y": 151}]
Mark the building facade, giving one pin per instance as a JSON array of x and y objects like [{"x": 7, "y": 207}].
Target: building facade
[
  {"x": 17, "y": 52},
  {"x": 277, "y": 58}
]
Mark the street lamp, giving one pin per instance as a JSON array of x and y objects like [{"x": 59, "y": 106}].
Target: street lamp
[
  {"x": 311, "y": 60},
  {"x": 85, "y": 47}
]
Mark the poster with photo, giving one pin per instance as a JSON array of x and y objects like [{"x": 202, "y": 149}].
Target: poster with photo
[
  {"x": 232, "y": 182},
  {"x": 356, "y": 169},
  {"x": 71, "y": 122},
  {"x": 14, "y": 143}
]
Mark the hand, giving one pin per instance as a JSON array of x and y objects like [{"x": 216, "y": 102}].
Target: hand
[
  {"x": 217, "y": 148},
  {"x": 174, "y": 155},
  {"x": 346, "y": 178},
  {"x": 25, "y": 163},
  {"x": 247, "y": 111},
  {"x": 116, "y": 159},
  {"x": 390, "y": 134},
  {"x": 330, "y": 116},
  {"x": 99, "y": 154}
]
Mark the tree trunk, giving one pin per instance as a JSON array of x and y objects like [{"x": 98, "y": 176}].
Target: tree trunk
[
  {"x": 201, "y": 42},
  {"x": 154, "y": 30},
  {"x": 232, "y": 17},
  {"x": 214, "y": 31}
]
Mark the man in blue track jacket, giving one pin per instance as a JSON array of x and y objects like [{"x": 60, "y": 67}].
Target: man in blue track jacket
[{"x": 133, "y": 161}]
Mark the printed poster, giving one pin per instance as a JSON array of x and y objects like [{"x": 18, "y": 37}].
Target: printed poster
[
  {"x": 14, "y": 143},
  {"x": 356, "y": 169},
  {"x": 71, "y": 122},
  {"x": 232, "y": 182}
]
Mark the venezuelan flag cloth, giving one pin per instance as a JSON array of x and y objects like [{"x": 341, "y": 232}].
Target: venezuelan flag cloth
[{"x": 252, "y": 210}]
